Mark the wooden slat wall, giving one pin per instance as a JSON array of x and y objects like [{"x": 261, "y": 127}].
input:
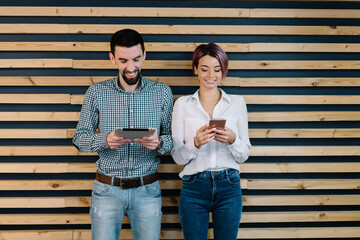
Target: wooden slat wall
[{"x": 296, "y": 64}]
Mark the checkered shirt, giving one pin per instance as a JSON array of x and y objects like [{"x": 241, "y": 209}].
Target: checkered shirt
[{"x": 107, "y": 107}]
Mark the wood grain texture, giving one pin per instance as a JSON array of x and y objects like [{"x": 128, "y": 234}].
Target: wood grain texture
[
  {"x": 65, "y": 167},
  {"x": 180, "y": 29},
  {"x": 173, "y": 201},
  {"x": 184, "y": 81}
]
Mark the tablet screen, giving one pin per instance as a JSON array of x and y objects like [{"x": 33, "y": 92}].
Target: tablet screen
[{"x": 134, "y": 132}]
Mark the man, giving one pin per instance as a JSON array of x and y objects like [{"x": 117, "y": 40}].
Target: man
[{"x": 126, "y": 181}]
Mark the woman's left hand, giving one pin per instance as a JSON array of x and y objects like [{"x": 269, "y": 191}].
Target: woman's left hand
[{"x": 225, "y": 135}]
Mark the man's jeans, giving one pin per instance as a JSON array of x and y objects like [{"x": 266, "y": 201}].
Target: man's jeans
[
  {"x": 218, "y": 192},
  {"x": 109, "y": 205}
]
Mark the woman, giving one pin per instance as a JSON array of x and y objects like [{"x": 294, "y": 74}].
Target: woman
[{"x": 210, "y": 179}]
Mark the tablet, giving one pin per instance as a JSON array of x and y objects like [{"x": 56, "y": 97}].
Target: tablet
[{"x": 134, "y": 132}]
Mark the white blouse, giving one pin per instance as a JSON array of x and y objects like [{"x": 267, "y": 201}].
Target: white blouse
[{"x": 189, "y": 116}]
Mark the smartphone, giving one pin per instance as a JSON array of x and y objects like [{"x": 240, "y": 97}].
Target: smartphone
[{"x": 217, "y": 122}]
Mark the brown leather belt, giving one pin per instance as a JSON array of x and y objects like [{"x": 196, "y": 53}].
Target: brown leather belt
[{"x": 127, "y": 183}]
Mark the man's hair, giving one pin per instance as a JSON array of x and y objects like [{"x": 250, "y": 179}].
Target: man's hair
[
  {"x": 213, "y": 50},
  {"x": 126, "y": 38}
]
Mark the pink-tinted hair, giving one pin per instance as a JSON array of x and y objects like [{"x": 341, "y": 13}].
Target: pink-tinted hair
[{"x": 213, "y": 50}]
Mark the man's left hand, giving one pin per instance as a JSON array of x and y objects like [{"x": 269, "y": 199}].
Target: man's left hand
[{"x": 150, "y": 142}]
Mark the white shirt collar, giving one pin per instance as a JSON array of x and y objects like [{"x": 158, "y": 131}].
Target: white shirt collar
[{"x": 224, "y": 96}]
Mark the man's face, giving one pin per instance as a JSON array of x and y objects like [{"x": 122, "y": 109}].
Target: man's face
[{"x": 129, "y": 62}]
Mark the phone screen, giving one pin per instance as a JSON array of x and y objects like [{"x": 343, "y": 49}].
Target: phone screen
[{"x": 218, "y": 123}]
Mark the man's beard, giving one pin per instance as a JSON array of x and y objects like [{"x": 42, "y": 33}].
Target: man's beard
[{"x": 131, "y": 81}]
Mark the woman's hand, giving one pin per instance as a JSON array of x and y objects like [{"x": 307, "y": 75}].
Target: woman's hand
[
  {"x": 204, "y": 135},
  {"x": 225, "y": 135}
]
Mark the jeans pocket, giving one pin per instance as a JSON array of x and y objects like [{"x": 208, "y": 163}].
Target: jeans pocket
[
  {"x": 233, "y": 177},
  {"x": 188, "y": 179},
  {"x": 153, "y": 188},
  {"x": 100, "y": 188}
]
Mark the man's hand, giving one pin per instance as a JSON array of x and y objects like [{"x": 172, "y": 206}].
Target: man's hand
[
  {"x": 115, "y": 141},
  {"x": 150, "y": 142}
]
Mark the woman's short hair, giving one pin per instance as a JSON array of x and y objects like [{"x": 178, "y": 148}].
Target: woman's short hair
[
  {"x": 126, "y": 38},
  {"x": 212, "y": 50}
]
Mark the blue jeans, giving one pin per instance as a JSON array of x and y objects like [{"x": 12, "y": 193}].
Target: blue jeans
[
  {"x": 218, "y": 192},
  {"x": 109, "y": 205}
]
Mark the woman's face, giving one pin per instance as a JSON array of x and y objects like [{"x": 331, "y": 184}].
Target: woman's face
[{"x": 208, "y": 72}]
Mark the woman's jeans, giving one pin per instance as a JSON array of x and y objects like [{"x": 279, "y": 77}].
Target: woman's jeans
[
  {"x": 109, "y": 205},
  {"x": 218, "y": 192}
]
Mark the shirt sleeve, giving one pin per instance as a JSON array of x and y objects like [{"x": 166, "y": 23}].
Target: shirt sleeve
[
  {"x": 240, "y": 149},
  {"x": 85, "y": 138},
  {"x": 183, "y": 151},
  {"x": 166, "y": 116}
]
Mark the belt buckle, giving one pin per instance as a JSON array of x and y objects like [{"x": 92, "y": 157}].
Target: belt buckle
[{"x": 121, "y": 183}]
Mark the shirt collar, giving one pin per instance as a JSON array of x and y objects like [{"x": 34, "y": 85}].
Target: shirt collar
[{"x": 224, "y": 96}]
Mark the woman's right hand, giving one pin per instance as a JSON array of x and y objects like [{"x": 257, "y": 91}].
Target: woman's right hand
[{"x": 204, "y": 135}]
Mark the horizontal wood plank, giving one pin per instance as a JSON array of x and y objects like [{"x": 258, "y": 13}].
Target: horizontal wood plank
[
  {"x": 39, "y": 116},
  {"x": 233, "y": 65},
  {"x": 276, "y": 99},
  {"x": 212, "y": 29},
  {"x": 247, "y": 217},
  {"x": 303, "y": 13},
  {"x": 50, "y": 80},
  {"x": 179, "y": 29},
  {"x": 125, "y": 12},
  {"x": 178, "y": 12},
  {"x": 253, "y": 116},
  {"x": 280, "y": 233},
  {"x": 41, "y": 151},
  {"x": 70, "y": 184},
  {"x": 182, "y": 81},
  {"x": 173, "y": 201},
  {"x": 183, "y": 47},
  {"x": 304, "y": 184},
  {"x": 23, "y": 28},
  {"x": 255, "y": 151},
  {"x": 301, "y": 99},
  {"x": 304, "y": 47},
  {"x": 299, "y": 167},
  {"x": 250, "y": 99},
  {"x": 300, "y": 200},
  {"x": 305, "y": 133},
  {"x": 34, "y": 133},
  {"x": 244, "y": 233},
  {"x": 38, "y": 235},
  {"x": 305, "y": 151},
  {"x": 36, "y": 63},
  {"x": 36, "y": 98},
  {"x": 66, "y": 167},
  {"x": 176, "y": 184},
  {"x": 303, "y": 116},
  {"x": 251, "y": 233},
  {"x": 279, "y": 133}
]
